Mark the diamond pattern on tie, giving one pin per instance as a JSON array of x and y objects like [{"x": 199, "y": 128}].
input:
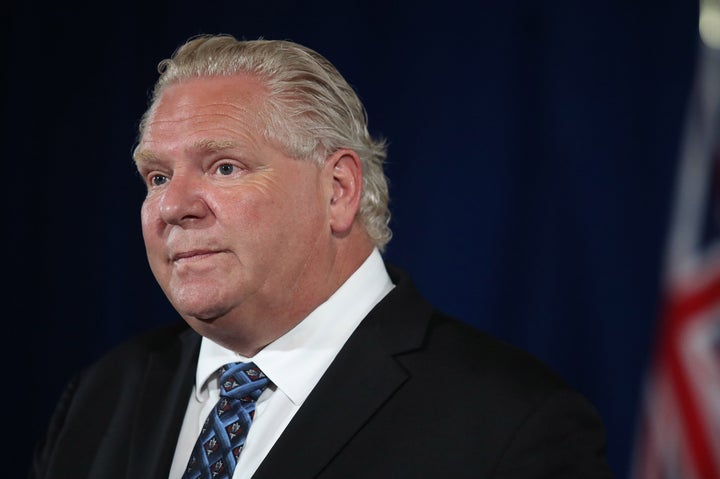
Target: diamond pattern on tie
[{"x": 223, "y": 434}]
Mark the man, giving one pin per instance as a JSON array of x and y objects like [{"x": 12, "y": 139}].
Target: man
[{"x": 264, "y": 222}]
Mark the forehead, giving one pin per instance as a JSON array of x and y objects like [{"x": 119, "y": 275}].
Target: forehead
[
  {"x": 208, "y": 107},
  {"x": 240, "y": 87}
]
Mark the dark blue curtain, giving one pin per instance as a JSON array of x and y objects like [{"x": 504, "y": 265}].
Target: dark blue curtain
[{"x": 533, "y": 148}]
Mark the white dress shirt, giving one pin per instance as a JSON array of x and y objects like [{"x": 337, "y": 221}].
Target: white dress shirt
[{"x": 294, "y": 363}]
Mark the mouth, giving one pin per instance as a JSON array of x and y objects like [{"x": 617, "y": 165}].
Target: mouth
[{"x": 193, "y": 255}]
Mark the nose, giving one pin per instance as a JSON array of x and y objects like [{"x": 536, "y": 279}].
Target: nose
[{"x": 182, "y": 200}]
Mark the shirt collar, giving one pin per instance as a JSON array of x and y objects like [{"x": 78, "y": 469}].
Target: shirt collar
[{"x": 295, "y": 361}]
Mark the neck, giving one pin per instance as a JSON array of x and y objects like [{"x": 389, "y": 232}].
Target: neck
[{"x": 251, "y": 326}]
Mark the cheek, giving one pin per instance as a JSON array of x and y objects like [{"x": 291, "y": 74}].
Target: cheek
[
  {"x": 302, "y": 220},
  {"x": 145, "y": 220},
  {"x": 248, "y": 211},
  {"x": 155, "y": 248},
  {"x": 149, "y": 223}
]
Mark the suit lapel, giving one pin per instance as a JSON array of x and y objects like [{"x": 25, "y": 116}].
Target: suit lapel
[
  {"x": 361, "y": 378},
  {"x": 166, "y": 386}
]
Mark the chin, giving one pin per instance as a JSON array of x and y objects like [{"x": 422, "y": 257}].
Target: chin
[
  {"x": 204, "y": 303},
  {"x": 206, "y": 315},
  {"x": 201, "y": 314}
]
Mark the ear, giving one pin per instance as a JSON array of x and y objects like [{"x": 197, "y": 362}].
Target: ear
[{"x": 345, "y": 170}]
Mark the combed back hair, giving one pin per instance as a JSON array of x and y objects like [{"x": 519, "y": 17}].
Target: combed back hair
[{"x": 310, "y": 112}]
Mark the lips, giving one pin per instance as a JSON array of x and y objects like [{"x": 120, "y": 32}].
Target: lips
[{"x": 192, "y": 255}]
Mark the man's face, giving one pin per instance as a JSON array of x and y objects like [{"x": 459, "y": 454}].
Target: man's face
[{"x": 237, "y": 233}]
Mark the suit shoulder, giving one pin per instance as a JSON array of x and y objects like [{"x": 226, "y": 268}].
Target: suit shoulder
[
  {"x": 465, "y": 356},
  {"x": 135, "y": 350},
  {"x": 487, "y": 361}
]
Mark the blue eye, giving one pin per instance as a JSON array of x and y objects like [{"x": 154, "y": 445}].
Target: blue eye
[
  {"x": 158, "y": 180},
  {"x": 226, "y": 169}
]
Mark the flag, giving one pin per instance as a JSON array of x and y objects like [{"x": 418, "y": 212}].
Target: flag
[{"x": 678, "y": 436}]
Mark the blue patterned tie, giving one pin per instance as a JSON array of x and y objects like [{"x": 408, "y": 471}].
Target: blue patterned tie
[{"x": 223, "y": 435}]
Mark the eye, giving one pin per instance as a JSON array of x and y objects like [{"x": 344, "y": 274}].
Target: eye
[
  {"x": 226, "y": 169},
  {"x": 157, "y": 180}
]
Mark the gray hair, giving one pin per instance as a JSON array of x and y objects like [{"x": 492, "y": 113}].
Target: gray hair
[{"x": 311, "y": 111}]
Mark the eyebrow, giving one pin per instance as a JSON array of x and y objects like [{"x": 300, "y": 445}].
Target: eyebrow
[
  {"x": 144, "y": 157},
  {"x": 204, "y": 146},
  {"x": 211, "y": 145}
]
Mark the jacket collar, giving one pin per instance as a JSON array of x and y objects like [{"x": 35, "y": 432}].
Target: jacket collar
[{"x": 364, "y": 375}]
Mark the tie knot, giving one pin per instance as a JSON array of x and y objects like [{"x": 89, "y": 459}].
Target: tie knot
[{"x": 242, "y": 381}]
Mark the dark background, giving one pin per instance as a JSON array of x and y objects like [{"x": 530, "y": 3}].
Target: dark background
[{"x": 533, "y": 147}]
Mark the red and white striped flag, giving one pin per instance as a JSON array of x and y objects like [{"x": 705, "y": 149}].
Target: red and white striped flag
[{"x": 679, "y": 433}]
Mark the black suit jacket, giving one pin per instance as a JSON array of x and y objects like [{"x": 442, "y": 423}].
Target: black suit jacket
[{"x": 412, "y": 394}]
